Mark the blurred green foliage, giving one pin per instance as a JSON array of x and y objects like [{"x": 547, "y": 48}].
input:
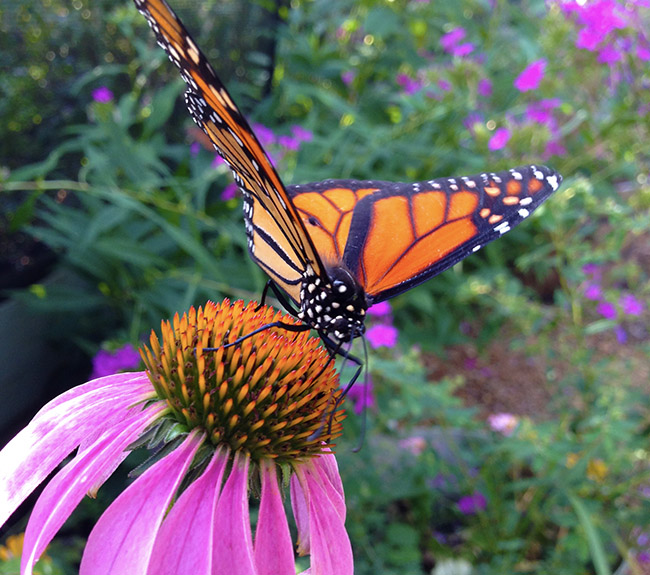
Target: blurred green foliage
[{"x": 131, "y": 202}]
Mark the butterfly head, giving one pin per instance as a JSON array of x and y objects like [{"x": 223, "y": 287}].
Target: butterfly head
[{"x": 335, "y": 306}]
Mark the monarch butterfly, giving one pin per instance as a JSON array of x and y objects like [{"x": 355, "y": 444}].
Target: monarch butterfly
[{"x": 338, "y": 246}]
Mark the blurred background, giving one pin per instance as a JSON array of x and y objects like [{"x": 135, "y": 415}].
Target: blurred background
[{"x": 507, "y": 399}]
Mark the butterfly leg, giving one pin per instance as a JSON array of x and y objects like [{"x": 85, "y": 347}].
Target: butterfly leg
[
  {"x": 334, "y": 349},
  {"x": 286, "y": 304},
  {"x": 265, "y": 292}
]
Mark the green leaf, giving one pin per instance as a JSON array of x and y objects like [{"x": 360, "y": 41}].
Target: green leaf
[{"x": 596, "y": 547}]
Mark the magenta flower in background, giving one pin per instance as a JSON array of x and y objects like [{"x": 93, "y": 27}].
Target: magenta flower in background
[
  {"x": 348, "y": 77},
  {"x": 531, "y": 76},
  {"x": 217, "y": 161},
  {"x": 631, "y": 305},
  {"x": 218, "y": 413},
  {"x": 499, "y": 139},
  {"x": 382, "y": 335},
  {"x": 643, "y": 53},
  {"x": 362, "y": 396},
  {"x": 592, "y": 270},
  {"x": 484, "y": 87},
  {"x": 554, "y": 148},
  {"x": 621, "y": 334},
  {"x": 504, "y": 423},
  {"x": 473, "y": 121},
  {"x": 379, "y": 310},
  {"x": 229, "y": 192},
  {"x": 643, "y": 557},
  {"x": 452, "y": 38},
  {"x": 289, "y": 143},
  {"x": 105, "y": 362},
  {"x": 593, "y": 292},
  {"x": 451, "y": 43},
  {"x": 408, "y": 84},
  {"x": 462, "y": 50},
  {"x": 301, "y": 134},
  {"x": 596, "y": 20},
  {"x": 609, "y": 54},
  {"x": 607, "y": 310},
  {"x": 472, "y": 504},
  {"x": 102, "y": 95},
  {"x": 541, "y": 112},
  {"x": 264, "y": 135}
]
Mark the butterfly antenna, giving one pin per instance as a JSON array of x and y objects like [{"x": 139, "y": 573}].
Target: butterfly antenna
[
  {"x": 278, "y": 324},
  {"x": 366, "y": 398}
]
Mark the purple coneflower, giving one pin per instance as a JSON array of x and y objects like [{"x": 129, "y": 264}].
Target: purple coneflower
[{"x": 255, "y": 414}]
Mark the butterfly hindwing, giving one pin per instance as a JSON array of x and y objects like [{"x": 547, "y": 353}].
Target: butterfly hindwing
[
  {"x": 277, "y": 239},
  {"x": 394, "y": 236}
]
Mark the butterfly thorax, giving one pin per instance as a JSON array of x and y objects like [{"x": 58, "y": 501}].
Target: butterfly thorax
[{"x": 335, "y": 306}]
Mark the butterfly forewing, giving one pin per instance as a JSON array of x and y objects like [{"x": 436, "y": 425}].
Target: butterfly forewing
[
  {"x": 276, "y": 236},
  {"x": 393, "y": 236}
]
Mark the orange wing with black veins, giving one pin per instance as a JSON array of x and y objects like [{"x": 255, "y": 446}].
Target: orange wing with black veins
[{"x": 393, "y": 236}]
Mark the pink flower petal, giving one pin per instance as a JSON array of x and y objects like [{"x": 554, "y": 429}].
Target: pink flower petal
[
  {"x": 87, "y": 470},
  {"x": 331, "y": 552},
  {"x": 66, "y": 422},
  {"x": 124, "y": 536},
  {"x": 334, "y": 489},
  {"x": 300, "y": 515},
  {"x": 233, "y": 541},
  {"x": 273, "y": 547},
  {"x": 184, "y": 542},
  {"x": 107, "y": 383},
  {"x": 327, "y": 464}
]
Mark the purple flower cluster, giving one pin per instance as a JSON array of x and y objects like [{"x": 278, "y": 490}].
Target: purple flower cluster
[
  {"x": 627, "y": 304},
  {"x": 531, "y": 76},
  {"x": 362, "y": 395},
  {"x": 472, "y": 504},
  {"x": 409, "y": 85},
  {"x": 612, "y": 30},
  {"x": 642, "y": 553},
  {"x": 499, "y": 139},
  {"x": 102, "y": 95},
  {"x": 382, "y": 332},
  {"x": 348, "y": 77},
  {"x": 540, "y": 114},
  {"x": 125, "y": 358},
  {"x": 452, "y": 43}
]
